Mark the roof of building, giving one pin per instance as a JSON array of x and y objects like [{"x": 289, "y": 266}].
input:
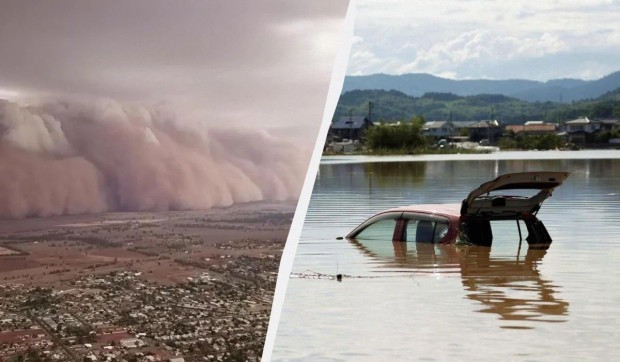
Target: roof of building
[
  {"x": 583, "y": 120},
  {"x": 350, "y": 122},
  {"x": 131, "y": 342},
  {"x": 437, "y": 124},
  {"x": 537, "y": 127},
  {"x": 485, "y": 124},
  {"x": 462, "y": 124}
]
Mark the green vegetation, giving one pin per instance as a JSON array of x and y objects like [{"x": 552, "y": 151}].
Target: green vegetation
[
  {"x": 602, "y": 137},
  {"x": 39, "y": 298},
  {"x": 405, "y": 137},
  {"x": 32, "y": 354},
  {"x": 401, "y": 118},
  {"x": 532, "y": 142},
  {"x": 397, "y": 106}
]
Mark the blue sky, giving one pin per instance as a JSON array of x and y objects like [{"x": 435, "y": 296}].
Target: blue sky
[{"x": 474, "y": 39}]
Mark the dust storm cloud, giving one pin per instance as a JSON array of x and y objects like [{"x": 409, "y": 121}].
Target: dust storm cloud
[{"x": 68, "y": 157}]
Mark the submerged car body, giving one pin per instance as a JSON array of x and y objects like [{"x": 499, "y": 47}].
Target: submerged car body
[{"x": 471, "y": 220}]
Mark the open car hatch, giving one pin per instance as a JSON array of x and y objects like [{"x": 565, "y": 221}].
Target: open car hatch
[{"x": 479, "y": 202}]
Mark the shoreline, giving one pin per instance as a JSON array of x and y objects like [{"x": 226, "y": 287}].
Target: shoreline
[{"x": 495, "y": 156}]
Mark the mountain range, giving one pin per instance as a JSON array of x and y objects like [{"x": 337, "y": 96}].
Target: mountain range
[{"x": 556, "y": 90}]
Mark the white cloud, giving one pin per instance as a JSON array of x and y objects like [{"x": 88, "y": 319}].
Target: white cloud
[
  {"x": 357, "y": 40},
  {"x": 470, "y": 39},
  {"x": 447, "y": 75},
  {"x": 480, "y": 46}
]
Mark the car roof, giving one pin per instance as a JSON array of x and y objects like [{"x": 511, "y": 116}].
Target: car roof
[{"x": 446, "y": 210}]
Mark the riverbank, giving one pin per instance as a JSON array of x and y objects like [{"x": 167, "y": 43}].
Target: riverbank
[
  {"x": 501, "y": 155},
  {"x": 421, "y": 151}
]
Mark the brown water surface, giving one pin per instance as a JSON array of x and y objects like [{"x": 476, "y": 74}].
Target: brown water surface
[{"x": 408, "y": 301}]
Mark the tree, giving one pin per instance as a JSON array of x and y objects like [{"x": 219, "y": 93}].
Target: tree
[
  {"x": 602, "y": 110},
  {"x": 406, "y": 136}
]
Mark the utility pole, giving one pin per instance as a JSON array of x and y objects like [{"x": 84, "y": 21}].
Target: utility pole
[
  {"x": 351, "y": 124},
  {"x": 370, "y": 107}
]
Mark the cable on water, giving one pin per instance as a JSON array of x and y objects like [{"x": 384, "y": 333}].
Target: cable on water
[{"x": 310, "y": 274}]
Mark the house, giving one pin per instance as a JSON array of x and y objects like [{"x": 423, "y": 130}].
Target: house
[
  {"x": 485, "y": 130},
  {"x": 584, "y": 125},
  {"x": 610, "y": 125},
  {"x": 438, "y": 129},
  {"x": 461, "y": 126},
  {"x": 131, "y": 343},
  {"x": 532, "y": 127},
  {"x": 577, "y": 129},
  {"x": 350, "y": 127}
]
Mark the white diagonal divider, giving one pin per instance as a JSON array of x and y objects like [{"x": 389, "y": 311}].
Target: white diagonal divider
[{"x": 288, "y": 255}]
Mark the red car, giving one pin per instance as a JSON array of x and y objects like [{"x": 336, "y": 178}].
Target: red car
[{"x": 470, "y": 221}]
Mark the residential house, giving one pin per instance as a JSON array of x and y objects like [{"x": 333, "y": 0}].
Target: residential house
[
  {"x": 438, "y": 129},
  {"x": 350, "y": 127},
  {"x": 485, "y": 130},
  {"x": 610, "y": 125},
  {"x": 532, "y": 127},
  {"x": 577, "y": 129},
  {"x": 131, "y": 343},
  {"x": 460, "y": 127}
]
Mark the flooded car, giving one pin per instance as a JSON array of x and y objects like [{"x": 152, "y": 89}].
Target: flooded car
[{"x": 470, "y": 222}]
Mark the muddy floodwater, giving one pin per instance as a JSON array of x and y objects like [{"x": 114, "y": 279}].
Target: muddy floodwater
[{"x": 408, "y": 301}]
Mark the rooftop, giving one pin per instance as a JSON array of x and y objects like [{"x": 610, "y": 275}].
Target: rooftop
[{"x": 350, "y": 122}]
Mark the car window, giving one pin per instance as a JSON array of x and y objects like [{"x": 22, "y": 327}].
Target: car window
[
  {"x": 441, "y": 230},
  {"x": 380, "y": 230},
  {"x": 506, "y": 231},
  {"x": 425, "y": 231}
]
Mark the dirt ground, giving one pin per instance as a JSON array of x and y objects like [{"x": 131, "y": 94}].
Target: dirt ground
[
  {"x": 164, "y": 246},
  {"x": 21, "y": 336}
]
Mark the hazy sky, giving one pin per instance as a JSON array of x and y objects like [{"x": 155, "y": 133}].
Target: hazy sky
[
  {"x": 459, "y": 39},
  {"x": 258, "y": 63}
]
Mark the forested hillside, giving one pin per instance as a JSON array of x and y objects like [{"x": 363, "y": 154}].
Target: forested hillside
[{"x": 394, "y": 105}]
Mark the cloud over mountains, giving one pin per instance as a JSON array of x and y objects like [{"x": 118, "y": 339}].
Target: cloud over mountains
[{"x": 487, "y": 40}]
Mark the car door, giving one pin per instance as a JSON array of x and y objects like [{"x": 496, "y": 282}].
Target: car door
[{"x": 424, "y": 228}]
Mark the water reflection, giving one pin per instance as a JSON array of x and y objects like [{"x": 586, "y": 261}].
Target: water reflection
[
  {"x": 395, "y": 174},
  {"x": 368, "y": 175},
  {"x": 358, "y": 177},
  {"x": 510, "y": 286}
]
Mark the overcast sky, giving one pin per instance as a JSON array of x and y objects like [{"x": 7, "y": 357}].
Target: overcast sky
[
  {"x": 464, "y": 39},
  {"x": 258, "y": 63}
]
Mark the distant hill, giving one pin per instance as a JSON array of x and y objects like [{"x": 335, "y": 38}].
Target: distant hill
[
  {"x": 557, "y": 90},
  {"x": 394, "y": 105}
]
